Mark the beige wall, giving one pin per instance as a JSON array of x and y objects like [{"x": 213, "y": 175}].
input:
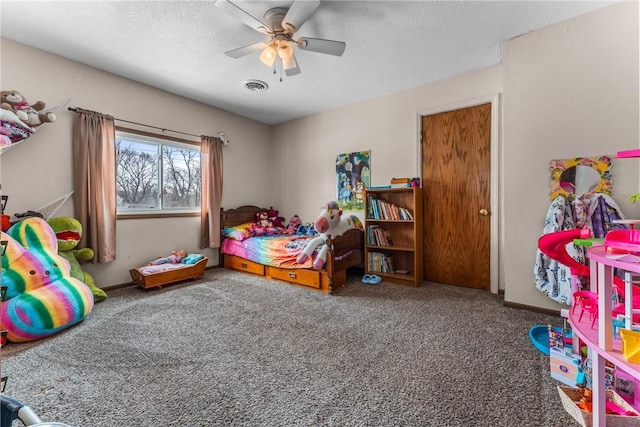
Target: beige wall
[
  {"x": 568, "y": 90},
  {"x": 387, "y": 126},
  {"x": 38, "y": 170}
]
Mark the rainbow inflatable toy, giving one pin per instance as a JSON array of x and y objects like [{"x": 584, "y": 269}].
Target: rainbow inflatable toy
[{"x": 41, "y": 297}]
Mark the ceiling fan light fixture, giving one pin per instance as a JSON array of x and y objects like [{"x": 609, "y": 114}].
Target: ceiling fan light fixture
[
  {"x": 268, "y": 55},
  {"x": 288, "y": 63},
  {"x": 284, "y": 50}
]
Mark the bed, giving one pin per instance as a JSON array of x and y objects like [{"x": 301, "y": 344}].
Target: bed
[
  {"x": 255, "y": 254},
  {"x": 152, "y": 276}
]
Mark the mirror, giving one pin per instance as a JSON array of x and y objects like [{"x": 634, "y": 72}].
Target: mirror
[{"x": 580, "y": 177}]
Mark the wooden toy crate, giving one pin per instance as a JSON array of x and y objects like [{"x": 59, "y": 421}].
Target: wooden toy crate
[{"x": 569, "y": 396}]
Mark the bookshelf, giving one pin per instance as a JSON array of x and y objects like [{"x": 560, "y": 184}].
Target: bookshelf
[{"x": 393, "y": 234}]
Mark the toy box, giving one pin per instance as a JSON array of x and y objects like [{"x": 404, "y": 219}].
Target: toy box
[{"x": 564, "y": 367}]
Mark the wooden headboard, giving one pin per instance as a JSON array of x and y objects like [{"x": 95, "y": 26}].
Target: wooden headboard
[{"x": 238, "y": 216}]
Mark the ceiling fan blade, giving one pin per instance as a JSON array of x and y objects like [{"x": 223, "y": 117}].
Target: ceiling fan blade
[
  {"x": 298, "y": 13},
  {"x": 290, "y": 66},
  {"x": 241, "y": 15},
  {"x": 330, "y": 47},
  {"x": 246, "y": 50}
]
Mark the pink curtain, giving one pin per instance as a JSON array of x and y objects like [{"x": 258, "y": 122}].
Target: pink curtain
[
  {"x": 211, "y": 167},
  {"x": 94, "y": 179}
]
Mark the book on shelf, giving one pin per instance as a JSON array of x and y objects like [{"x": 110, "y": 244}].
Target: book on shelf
[
  {"x": 381, "y": 209},
  {"x": 378, "y": 236},
  {"x": 380, "y": 262},
  {"x": 400, "y": 181}
]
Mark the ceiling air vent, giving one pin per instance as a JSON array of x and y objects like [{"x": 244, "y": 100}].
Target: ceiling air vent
[{"x": 256, "y": 85}]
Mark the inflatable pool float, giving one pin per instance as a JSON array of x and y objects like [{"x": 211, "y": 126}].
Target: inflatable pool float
[{"x": 539, "y": 336}]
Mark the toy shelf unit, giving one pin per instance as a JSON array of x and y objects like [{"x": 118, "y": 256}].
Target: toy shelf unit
[
  {"x": 603, "y": 344},
  {"x": 393, "y": 234}
]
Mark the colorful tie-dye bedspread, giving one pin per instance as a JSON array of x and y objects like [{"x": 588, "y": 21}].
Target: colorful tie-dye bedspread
[{"x": 275, "y": 251}]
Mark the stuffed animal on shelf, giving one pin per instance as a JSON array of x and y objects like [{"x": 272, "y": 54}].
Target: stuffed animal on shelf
[
  {"x": 31, "y": 114},
  {"x": 12, "y": 127},
  {"x": 329, "y": 224},
  {"x": 68, "y": 233},
  {"x": 5, "y": 139},
  {"x": 42, "y": 298}
]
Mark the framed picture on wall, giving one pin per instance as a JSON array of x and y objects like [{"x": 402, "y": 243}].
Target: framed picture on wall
[{"x": 353, "y": 175}]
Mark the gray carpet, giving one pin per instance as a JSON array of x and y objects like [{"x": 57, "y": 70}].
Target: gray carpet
[{"x": 236, "y": 350}]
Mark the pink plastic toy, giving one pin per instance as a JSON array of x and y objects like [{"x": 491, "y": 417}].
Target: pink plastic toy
[
  {"x": 554, "y": 245},
  {"x": 587, "y": 301}
]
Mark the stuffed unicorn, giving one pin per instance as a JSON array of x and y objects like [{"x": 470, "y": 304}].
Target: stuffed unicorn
[{"x": 329, "y": 224}]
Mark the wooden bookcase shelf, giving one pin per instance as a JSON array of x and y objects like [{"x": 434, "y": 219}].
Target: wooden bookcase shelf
[{"x": 393, "y": 234}]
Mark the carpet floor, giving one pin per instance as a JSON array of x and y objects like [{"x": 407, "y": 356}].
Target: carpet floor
[{"x": 232, "y": 349}]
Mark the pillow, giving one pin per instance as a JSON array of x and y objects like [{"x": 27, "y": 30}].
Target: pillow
[
  {"x": 192, "y": 258},
  {"x": 239, "y": 232}
]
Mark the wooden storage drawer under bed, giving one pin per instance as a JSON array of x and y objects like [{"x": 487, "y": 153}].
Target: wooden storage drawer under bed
[
  {"x": 310, "y": 278},
  {"x": 232, "y": 261}
]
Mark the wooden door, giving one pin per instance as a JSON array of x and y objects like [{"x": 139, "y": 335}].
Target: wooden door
[{"x": 456, "y": 165}]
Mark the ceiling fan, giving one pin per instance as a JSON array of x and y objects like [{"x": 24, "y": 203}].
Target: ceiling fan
[{"x": 280, "y": 24}]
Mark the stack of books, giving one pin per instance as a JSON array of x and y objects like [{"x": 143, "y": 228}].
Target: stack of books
[
  {"x": 380, "y": 263},
  {"x": 381, "y": 209},
  {"x": 378, "y": 236},
  {"x": 400, "y": 182}
]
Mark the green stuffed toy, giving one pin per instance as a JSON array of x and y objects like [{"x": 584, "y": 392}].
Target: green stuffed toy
[{"x": 68, "y": 232}]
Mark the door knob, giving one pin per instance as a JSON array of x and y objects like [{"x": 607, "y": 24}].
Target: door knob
[{"x": 483, "y": 212}]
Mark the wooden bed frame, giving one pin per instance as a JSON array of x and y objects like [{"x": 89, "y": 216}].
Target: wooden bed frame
[{"x": 327, "y": 280}]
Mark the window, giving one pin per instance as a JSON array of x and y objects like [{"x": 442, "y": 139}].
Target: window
[{"x": 156, "y": 174}]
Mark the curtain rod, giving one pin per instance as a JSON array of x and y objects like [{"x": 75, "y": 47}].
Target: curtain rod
[{"x": 149, "y": 126}]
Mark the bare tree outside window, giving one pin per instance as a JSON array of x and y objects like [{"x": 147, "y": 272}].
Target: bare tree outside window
[
  {"x": 139, "y": 184},
  {"x": 181, "y": 177}
]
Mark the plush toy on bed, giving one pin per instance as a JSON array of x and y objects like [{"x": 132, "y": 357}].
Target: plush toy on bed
[
  {"x": 262, "y": 219},
  {"x": 294, "y": 225},
  {"x": 330, "y": 223},
  {"x": 277, "y": 221},
  {"x": 31, "y": 114},
  {"x": 69, "y": 232}
]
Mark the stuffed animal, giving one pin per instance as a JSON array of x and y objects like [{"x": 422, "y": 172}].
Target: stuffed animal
[
  {"x": 294, "y": 224},
  {"x": 307, "y": 229},
  {"x": 5, "y": 140},
  {"x": 329, "y": 223},
  {"x": 12, "y": 127},
  {"x": 68, "y": 233},
  {"x": 277, "y": 221},
  {"x": 262, "y": 219},
  {"x": 41, "y": 296},
  {"x": 31, "y": 114}
]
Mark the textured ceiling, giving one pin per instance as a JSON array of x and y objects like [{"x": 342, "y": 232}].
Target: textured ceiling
[{"x": 179, "y": 46}]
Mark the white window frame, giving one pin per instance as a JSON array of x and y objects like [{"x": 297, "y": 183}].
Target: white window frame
[{"x": 159, "y": 141}]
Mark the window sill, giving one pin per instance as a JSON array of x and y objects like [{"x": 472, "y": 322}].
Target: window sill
[{"x": 157, "y": 215}]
